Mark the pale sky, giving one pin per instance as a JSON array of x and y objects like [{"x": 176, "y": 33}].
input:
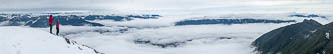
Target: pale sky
[
  {"x": 163, "y": 4},
  {"x": 178, "y": 6}
]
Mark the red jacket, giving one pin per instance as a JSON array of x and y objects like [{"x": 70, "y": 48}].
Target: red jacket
[
  {"x": 57, "y": 24},
  {"x": 50, "y": 20}
]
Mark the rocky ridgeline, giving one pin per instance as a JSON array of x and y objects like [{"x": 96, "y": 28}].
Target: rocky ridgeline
[{"x": 307, "y": 37}]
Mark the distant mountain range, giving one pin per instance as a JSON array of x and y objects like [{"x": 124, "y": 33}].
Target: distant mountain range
[
  {"x": 74, "y": 20},
  {"x": 84, "y": 20},
  {"x": 240, "y": 20},
  {"x": 307, "y": 37},
  {"x": 230, "y": 21},
  {"x": 307, "y": 16}
]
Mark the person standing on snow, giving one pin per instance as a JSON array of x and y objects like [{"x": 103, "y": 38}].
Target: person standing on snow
[
  {"x": 50, "y": 23},
  {"x": 57, "y": 26}
]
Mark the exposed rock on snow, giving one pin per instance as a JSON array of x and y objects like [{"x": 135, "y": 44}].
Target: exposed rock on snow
[{"x": 327, "y": 35}]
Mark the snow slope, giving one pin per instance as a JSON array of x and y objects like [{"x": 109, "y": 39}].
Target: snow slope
[{"x": 20, "y": 40}]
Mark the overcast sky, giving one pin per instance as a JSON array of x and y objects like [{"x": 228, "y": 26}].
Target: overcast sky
[
  {"x": 141, "y": 3},
  {"x": 178, "y": 6}
]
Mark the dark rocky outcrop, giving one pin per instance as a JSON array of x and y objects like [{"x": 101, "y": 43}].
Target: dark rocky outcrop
[{"x": 307, "y": 37}]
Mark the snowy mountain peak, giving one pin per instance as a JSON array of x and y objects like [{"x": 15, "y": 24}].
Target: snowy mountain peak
[{"x": 18, "y": 40}]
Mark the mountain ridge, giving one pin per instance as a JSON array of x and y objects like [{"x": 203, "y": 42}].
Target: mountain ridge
[
  {"x": 20, "y": 40},
  {"x": 299, "y": 39}
]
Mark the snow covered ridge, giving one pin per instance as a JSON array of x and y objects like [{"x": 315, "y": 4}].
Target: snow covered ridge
[{"x": 19, "y": 40}]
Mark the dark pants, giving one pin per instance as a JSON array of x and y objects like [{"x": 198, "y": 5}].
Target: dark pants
[
  {"x": 57, "y": 31},
  {"x": 50, "y": 28}
]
